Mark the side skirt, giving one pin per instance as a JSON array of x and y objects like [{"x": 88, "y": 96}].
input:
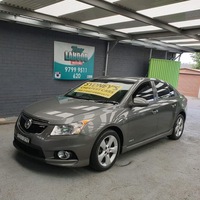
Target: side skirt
[{"x": 157, "y": 137}]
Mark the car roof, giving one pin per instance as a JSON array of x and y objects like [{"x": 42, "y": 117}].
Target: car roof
[
  {"x": 123, "y": 79},
  {"x": 128, "y": 79}
]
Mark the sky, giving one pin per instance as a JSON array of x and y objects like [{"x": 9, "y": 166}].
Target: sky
[{"x": 186, "y": 58}]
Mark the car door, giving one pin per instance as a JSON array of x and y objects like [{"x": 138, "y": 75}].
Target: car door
[
  {"x": 142, "y": 121},
  {"x": 167, "y": 104}
]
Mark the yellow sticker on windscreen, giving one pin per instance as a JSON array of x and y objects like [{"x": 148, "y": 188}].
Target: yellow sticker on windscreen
[{"x": 100, "y": 89}]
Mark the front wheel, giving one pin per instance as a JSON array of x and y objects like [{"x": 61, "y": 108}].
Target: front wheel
[
  {"x": 178, "y": 128},
  {"x": 105, "y": 151}
]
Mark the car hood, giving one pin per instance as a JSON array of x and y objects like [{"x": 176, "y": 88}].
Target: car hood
[{"x": 61, "y": 110}]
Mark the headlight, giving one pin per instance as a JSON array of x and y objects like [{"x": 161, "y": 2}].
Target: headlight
[{"x": 69, "y": 129}]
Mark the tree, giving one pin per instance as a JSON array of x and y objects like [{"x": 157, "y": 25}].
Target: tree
[{"x": 196, "y": 59}]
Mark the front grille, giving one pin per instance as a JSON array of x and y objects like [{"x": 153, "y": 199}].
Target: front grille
[
  {"x": 37, "y": 125},
  {"x": 31, "y": 150}
]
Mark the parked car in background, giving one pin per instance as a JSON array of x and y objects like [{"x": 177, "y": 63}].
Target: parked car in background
[{"x": 98, "y": 120}]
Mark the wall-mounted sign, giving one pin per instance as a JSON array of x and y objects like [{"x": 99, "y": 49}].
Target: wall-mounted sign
[{"x": 73, "y": 61}]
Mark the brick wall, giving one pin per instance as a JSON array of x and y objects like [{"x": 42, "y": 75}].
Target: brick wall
[
  {"x": 189, "y": 82},
  {"x": 26, "y": 64}
]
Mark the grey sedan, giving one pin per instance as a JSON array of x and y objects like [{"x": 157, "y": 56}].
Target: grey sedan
[{"x": 98, "y": 120}]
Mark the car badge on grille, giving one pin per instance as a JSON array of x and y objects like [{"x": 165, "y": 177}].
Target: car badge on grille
[{"x": 28, "y": 123}]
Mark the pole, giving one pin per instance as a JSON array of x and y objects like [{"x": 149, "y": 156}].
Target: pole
[{"x": 107, "y": 57}]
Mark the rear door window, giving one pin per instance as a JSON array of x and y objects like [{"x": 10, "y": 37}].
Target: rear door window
[{"x": 164, "y": 90}]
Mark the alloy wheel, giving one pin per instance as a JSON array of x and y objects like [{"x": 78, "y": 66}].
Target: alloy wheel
[
  {"x": 179, "y": 126},
  {"x": 107, "y": 151}
]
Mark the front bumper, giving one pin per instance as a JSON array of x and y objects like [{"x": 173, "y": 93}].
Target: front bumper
[{"x": 44, "y": 147}]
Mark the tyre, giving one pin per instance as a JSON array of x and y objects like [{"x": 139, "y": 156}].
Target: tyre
[
  {"x": 178, "y": 128},
  {"x": 105, "y": 151}
]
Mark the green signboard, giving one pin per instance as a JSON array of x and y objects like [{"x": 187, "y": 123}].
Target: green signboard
[{"x": 73, "y": 61}]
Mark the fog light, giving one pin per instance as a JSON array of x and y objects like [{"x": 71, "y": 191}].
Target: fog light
[{"x": 64, "y": 155}]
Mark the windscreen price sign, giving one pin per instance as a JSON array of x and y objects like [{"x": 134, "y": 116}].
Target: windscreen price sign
[
  {"x": 100, "y": 89},
  {"x": 73, "y": 61}
]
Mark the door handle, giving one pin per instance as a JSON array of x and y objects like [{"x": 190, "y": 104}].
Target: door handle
[
  {"x": 174, "y": 105},
  {"x": 154, "y": 111}
]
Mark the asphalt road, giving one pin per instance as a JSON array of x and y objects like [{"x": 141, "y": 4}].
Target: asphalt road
[{"x": 162, "y": 170}]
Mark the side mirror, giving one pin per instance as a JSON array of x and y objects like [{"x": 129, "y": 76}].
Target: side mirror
[{"x": 139, "y": 102}]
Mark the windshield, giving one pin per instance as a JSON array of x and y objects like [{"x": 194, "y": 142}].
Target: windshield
[{"x": 105, "y": 91}]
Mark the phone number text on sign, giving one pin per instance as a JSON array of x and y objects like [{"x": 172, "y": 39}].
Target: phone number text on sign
[{"x": 77, "y": 71}]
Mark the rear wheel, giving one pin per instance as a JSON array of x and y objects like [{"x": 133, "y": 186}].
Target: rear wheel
[
  {"x": 105, "y": 151},
  {"x": 178, "y": 128}
]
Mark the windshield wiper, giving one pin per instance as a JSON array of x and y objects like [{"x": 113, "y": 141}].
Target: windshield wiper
[
  {"x": 75, "y": 97},
  {"x": 67, "y": 95},
  {"x": 107, "y": 101},
  {"x": 99, "y": 101}
]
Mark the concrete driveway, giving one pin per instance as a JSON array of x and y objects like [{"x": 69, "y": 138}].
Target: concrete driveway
[{"x": 162, "y": 170}]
